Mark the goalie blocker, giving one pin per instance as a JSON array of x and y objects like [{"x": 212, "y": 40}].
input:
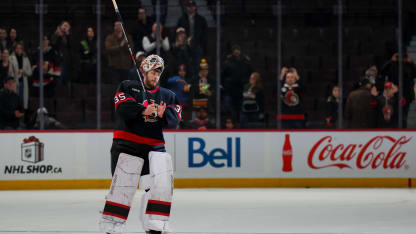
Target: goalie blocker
[{"x": 138, "y": 142}]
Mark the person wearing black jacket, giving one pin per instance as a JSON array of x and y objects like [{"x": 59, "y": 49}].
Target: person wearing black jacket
[
  {"x": 138, "y": 151},
  {"x": 332, "y": 104},
  {"x": 252, "y": 108},
  {"x": 4, "y": 43},
  {"x": 61, "y": 42},
  {"x": 202, "y": 89},
  {"x": 390, "y": 72},
  {"x": 388, "y": 105},
  {"x": 143, "y": 28},
  {"x": 197, "y": 29},
  {"x": 51, "y": 70},
  {"x": 236, "y": 72},
  {"x": 88, "y": 57},
  {"x": 4, "y": 65},
  {"x": 11, "y": 108}
]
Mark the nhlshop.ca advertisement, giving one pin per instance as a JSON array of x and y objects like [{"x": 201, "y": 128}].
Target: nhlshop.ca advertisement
[
  {"x": 34, "y": 156},
  {"x": 32, "y": 152}
]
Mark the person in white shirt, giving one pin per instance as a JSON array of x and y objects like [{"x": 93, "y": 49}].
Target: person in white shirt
[{"x": 150, "y": 45}]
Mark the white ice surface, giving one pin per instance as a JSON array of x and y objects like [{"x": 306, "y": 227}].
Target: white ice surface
[{"x": 221, "y": 211}]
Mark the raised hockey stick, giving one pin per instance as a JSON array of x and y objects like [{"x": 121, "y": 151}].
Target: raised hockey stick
[{"x": 130, "y": 50}]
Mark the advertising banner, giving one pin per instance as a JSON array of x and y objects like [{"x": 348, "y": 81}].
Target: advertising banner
[
  {"x": 34, "y": 156},
  {"x": 212, "y": 154},
  {"x": 295, "y": 154}
]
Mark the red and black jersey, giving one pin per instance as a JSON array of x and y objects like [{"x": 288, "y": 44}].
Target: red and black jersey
[
  {"x": 131, "y": 125},
  {"x": 291, "y": 100}
]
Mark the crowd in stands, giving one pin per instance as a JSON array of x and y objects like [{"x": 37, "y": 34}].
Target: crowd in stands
[{"x": 373, "y": 103}]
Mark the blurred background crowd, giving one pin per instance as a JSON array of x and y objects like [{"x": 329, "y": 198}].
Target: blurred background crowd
[{"x": 261, "y": 64}]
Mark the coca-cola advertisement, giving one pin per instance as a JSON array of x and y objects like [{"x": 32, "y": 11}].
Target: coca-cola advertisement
[
  {"x": 350, "y": 154},
  {"x": 372, "y": 154},
  {"x": 287, "y": 155}
]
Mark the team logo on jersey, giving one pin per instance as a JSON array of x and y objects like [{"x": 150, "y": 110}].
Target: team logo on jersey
[
  {"x": 152, "y": 118},
  {"x": 291, "y": 98}
]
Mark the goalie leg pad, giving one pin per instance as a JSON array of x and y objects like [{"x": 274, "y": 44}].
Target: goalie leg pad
[
  {"x": 123, "y": 187},
  {"x": 156, "y": 202}
]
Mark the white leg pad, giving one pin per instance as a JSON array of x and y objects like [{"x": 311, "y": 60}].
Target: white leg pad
[
  {"x": 156, "y": 203},
  {"x": 123, "y": 187},
  {"x": 145, "y": 182}
]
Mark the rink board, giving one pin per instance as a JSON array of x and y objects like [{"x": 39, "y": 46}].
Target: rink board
[
  {"x": 223, "y": 183},
  {"x": 74, "y": 159},
  {"x": 92, "y": 232}
]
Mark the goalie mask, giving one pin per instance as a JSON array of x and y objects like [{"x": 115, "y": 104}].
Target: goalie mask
[{"x": 152, "y": 62}]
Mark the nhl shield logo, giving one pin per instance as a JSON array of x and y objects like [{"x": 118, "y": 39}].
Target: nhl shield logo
[
  {"x": 28, "y": 153},
  {"x": 32, "y": 150}
]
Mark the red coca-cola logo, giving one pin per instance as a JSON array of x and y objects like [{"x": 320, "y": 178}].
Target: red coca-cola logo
[{"x": 369, "y": 155}]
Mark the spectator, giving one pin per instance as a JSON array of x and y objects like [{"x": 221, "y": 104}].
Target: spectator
[
  {"x": 88, "y": 57},
  {"x": 11, "y": 110},
  {"x": 61, "y": 43},
  {"x": 150, "y": 45},
  {"x": 178, "y": 84},
  {"x": 4, "y": 44},
  {"x": 229, "y": 123},
  {"x": 372, "y": 74},
  {"x": 20, "y": 69},
  {"x": 332, "y": 104},
  {"x": 50, "y": 75},
  {"x": 51, "y": 70},
  {"x": 4, "y": 68},
  {"x": 49, "y": 121},
  {"x": 144, "y": 25},
  {"x": 236, "y": 72},
  {"x": 181, "y": 49},
  {"x": 360, "y": 108},
  {"x": 49, "y": 54},
  {"x": 202, "y": 89},
  {"x": 140, "y": 56},
  {"x": 197, "y": 29},
  {"x": 202, "y": 120},
  {"x": 252, "y": 108},
  {"x": 291, "y": 100},
  {"x": 387, "y": 110},
  {"x": 118, "y": 55},
  {"x": 13, "y": 38},
  {"x": 390, "y": 71}
]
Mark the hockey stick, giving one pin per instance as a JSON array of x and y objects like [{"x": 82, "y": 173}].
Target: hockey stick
[{"x": 130, "y": 50}]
